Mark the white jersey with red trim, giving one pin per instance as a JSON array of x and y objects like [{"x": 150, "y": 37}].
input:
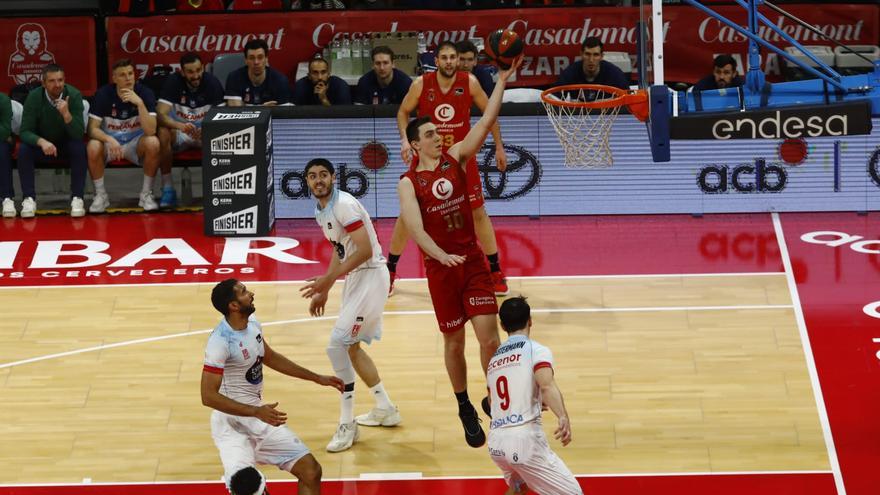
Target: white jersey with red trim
[
  {"x": 238, "y": 356},
  {"x": 345, "y": 214},
  {"x": 516, "y": 397}
]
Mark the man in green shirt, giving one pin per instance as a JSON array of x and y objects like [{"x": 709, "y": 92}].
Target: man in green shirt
[
  {"x": 6, "y": 191},
  {"x": 52, "y": 127}
]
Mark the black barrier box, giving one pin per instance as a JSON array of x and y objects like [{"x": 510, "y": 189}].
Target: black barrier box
[{"x": 237, "y": 172}]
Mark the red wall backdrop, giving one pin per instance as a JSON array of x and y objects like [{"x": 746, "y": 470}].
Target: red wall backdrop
[
  {"x": 27, "y": 44},
  {"x": 552, "y": 36}
]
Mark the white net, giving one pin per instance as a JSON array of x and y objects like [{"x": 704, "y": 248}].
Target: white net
[{"x": 583, "y": 132}]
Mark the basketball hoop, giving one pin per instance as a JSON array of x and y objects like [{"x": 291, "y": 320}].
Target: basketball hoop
[{"x": 583, "y": 114}]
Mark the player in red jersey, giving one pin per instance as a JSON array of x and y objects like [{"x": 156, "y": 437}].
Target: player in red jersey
[
  {"x": 435, "y": 209},
  {"x": 446, "y": 96}
]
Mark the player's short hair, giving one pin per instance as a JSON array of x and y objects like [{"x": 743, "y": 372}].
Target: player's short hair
[
  {"x": 256, "y": 44},
  {"x": 319, "y": 162},
  {"x": 592, "y": 42},
  {"x": 724, "y": 59},
  {"x": 412, "y": 129},
  {"x": 446, "y": 44},
  {"x": 514, "y": 314},
  {"x": 223, "y": 294},
  {"x": 381, "y": 49},
  {"x": 246, "y": 481},
  {"x": 465, "y": 46},
  {"x": 318, "y": 59},
  {"x": 50, "y": 68},
  {"x": 188, "y": 58},
  {"x": 122, "y": 62}
]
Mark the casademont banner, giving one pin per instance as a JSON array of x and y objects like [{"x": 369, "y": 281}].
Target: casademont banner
[
  {"x": 27, "y": 44},
  {"x": 552, "y": 36}
]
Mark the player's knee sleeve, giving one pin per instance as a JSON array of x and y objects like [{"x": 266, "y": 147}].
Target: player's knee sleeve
[{"x": 341, "y": 362}]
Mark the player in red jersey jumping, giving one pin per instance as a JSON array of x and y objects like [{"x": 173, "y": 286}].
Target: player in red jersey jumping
[
  {"x": 446, "y": 96},
  {"x": 435, "y": 209}
]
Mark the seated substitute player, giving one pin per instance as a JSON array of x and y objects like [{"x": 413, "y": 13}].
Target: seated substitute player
[
  {"x": 592, "y": 69},
  {"x": 256, "y": 83},
  {"x": 434, "y": 207},
  {"x": 723, "y": 75},
  {"x": 319, "y": 87},
  {"x": 357, "y": 256},
  {"x": 245, "y": 430},
  {"x": 384, "y": 84},
  {"x": 185, "y": 99},
  {"x": 467, "y": 62},
  {"x": 122, "y": 124},
  {"x": 520, "y": 381}
]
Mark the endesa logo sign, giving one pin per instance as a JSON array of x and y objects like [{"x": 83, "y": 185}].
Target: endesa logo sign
[{"x": 843, "y": 119}]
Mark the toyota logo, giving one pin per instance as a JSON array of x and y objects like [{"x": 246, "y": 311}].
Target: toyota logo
[
  {"x": 442, "y": 189},
  {"x": 444, "y": 112}
]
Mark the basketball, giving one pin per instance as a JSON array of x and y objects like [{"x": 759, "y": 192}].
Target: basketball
[{"x": 503, "y": 46}]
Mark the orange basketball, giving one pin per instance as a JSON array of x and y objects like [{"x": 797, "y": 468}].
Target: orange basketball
[{"x": 503, "y": 47}]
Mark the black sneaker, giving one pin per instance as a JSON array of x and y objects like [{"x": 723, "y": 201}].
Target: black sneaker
[
  {"x": 473, "y": 432},
  {"x": 486, "y": 408}
]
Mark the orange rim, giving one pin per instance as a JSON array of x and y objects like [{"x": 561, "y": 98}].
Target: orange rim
[{"x": 636, "y": 101}]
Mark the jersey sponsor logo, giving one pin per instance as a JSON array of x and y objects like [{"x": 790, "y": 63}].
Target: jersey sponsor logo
[
  {"x": 481, "y": 300},
  {"x": 237, "y": 222},
  {"x": 234, "y": 143},
  {"x": 504, "y": 362},
  {"x": 241, "y": 182},
  {"x": 509, "y": 420},
  {"x": 356, "y": 329},
  {"x": 442, "y": 189},
  {"x": 496, "y": 452},
  {"x": 459, "y": 91},
  {"x": 254, "y": 375},
  {"x": 444, "y": 112},
  {"x": 236, "y": 116},
  {"x": 454, "y": 323}
]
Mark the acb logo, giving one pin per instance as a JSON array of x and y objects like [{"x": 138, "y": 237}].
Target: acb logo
[{"x": 760, "y": 178}]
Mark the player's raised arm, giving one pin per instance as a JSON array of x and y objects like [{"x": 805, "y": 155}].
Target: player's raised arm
[
  {"x": 412, "y": 220},
  {"x": 470, "y": 145},
  {"x": 481, "y": 100},
  {"x": 407, "y": 106}
]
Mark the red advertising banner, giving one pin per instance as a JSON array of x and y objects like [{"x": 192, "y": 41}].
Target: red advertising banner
[
  {"x": 552, "y": 36},
  {"x": 27, "y": 44}
]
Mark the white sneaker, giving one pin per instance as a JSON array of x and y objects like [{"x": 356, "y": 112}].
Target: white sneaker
[
  {"x": 346, "y": 435},
  {"x": 9, "y": 208},
  {"x": 28, "y": 208},
  {"x": 77, "y": 209},
  {"x": 379, "y": 417},
  {"x": 147, "y": 202},
  {"x": 100, "y": 203}
]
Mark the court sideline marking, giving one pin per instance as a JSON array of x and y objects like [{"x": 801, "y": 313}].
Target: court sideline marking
[{"x": 808, "y": 355}]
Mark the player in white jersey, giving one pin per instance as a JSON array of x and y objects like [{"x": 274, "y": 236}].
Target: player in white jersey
[
  {"x": 520, "y": 377},
  {"x": 247, "y": 431},
  {"x": 358, "y": 256}
]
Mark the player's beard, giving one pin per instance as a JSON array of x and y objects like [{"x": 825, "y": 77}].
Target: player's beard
[
  {"x": 247, "y": 310},
  {"x": 448, "y": 75},
  {"x": 328, "y": 190}
]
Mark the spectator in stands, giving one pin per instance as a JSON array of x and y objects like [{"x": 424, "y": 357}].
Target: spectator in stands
[
  {"x": 6, "y": 156},
  {"x": 185, "y": 99},
  {"x": 321, "y": 88},
  {"x": 592, "y": 69},
  {"x": 52, "y": 127},
  {"x": 467, "y": 62},
  {"x": 256, "y": 83},
  {"x": 723, "y": 75},
  {"x": 384, "y": 84},
  {"x": 122, "y": 124}
]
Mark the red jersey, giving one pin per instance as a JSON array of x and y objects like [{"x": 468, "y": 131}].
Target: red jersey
[
  {"x": 451, "y": 111},
  {"x": 443, "y": 200}
]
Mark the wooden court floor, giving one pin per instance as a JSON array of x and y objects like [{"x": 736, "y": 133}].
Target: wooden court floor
[{"x": 660, "y": 374}]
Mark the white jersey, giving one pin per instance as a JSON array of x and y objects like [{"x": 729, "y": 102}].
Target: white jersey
[
  {"x": 345, "y": 214},
  {"x": 238, "y": 356},
  {"x": 516, "y": 397}
]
